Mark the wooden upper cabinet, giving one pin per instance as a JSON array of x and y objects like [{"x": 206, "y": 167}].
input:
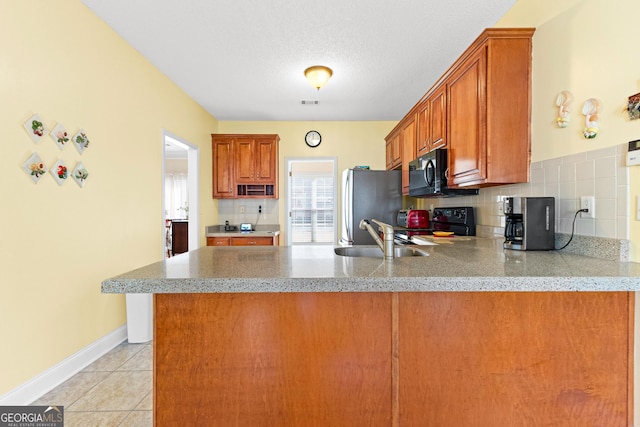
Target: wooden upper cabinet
[
  {"x": 393, "y": 150},
  {"x": 424, "y": 128},
  {"x": 266, "y": 160},
  {"x": 244, "y": 160},
  {"x": 256, "y": 160},
  {"x": 489, "y": 110},
  {"x": 438, "y": 127},
  {"x": 479, "y": 110},
  {"x": 408, "y": 144},
  {"x": 467, "y": 96},
  {"x": 431, "y": 126},
  {"x": 251, "y": 168},
  {"x": 223, "y": 172}
]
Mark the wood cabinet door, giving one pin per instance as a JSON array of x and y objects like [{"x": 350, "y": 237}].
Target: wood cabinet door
[
  {"x": 423, "y": 137},
  {"x": 466, "y": 95},
  {"x": 431, "y": 122},
  {"x": 244, "y": 160},
  {"x": 408, "y": 144},
  {"x": 223, "y": 180},
  {"x": 266, "y": 161},
  {"x": 272, "y": 359},
  {"x": 218, "y": 241},
  {"x": 179, "y": 237},
  {"x": 393, "y": 151},
  {"x": 251, "y": 241},
  {"x": 437, "y": 119},
  {"x": 515, "y": 359}
]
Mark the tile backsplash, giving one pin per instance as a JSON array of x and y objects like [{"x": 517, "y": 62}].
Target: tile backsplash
[
  {"x": 600, "y": 173},
  {"x": 231, "y": 210}
]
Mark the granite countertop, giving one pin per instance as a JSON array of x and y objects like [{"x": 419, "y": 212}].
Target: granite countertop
[
  {"x": 259, "y": 231},
  {"x": 469, "y": 264}
]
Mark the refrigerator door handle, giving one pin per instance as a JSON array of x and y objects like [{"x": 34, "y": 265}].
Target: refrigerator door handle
[{"x": 346, "y": 195}]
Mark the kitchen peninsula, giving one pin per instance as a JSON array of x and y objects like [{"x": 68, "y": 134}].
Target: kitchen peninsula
[{"x": 470, "y": 335}]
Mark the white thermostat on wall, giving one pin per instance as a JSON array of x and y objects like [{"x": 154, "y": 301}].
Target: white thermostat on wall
[{"x": 633, "y": 154}]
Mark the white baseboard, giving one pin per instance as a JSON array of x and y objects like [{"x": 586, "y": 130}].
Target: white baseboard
[{"x": 47, "y": 380}]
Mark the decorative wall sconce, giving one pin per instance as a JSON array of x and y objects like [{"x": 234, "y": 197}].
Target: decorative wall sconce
[
  {"x": 633, "y": 107},
  {"x": 590, "y": 110},
  {"x": 318, "y": 75},
  {"x": 562, "y": 101}
]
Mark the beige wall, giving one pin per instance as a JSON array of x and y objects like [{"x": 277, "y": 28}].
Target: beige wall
[
  {"x": 583, "y": 46},
  {"x": 59, "y": 242}
]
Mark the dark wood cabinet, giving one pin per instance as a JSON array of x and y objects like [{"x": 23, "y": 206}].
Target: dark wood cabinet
[{"x": 179, "y": 237}]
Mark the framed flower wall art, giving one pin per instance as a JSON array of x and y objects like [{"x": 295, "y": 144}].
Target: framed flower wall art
[
  {"x": 80, "y": 174},
  {"x": 60, "y": 172},
  {"x": 34, "y": 167},
  {"x": 81, "y": 141},
  {"x": 36, "y": 128},
  {"x": 60, "y": 136}
]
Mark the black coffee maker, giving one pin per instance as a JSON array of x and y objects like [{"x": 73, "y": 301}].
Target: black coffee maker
[{"x": 530, "y": 223}]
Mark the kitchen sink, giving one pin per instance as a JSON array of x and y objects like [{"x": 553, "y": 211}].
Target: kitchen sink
[{"x": 376, "y": 252}]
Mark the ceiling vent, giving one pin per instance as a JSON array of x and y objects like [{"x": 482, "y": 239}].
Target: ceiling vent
[{"x": 309, "y": 102}]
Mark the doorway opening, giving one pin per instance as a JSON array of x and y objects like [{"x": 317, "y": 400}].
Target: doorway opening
[
  {"x": 311, "y": 201},
  {"x": 180, "y": 190}
]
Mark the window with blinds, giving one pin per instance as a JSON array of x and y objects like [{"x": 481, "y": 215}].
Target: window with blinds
[{"x": 312, "y": 203}]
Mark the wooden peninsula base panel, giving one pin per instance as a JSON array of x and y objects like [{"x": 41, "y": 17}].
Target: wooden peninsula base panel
[{"x": 393, "y": 359}]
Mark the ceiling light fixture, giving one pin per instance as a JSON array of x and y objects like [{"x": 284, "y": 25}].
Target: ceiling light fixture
[{"x": 318, "y": 75}]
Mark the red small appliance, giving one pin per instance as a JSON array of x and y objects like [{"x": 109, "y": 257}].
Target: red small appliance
[{"x": 413, "y": 218}]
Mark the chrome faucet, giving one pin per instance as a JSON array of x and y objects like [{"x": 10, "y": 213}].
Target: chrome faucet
[{"x": 386, "y": 243}]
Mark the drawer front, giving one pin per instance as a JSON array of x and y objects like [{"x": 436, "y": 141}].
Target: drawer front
[
  {"x": 218, "y": 241},
  {"x": 251, "y": 241}
]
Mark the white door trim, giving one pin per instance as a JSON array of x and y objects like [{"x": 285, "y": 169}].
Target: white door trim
[
  {"x": 287, "y": 202},
  {"x": 193, "y": 172}
]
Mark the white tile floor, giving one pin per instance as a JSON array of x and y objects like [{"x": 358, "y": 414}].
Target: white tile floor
[{"x": 115, "y": 390}]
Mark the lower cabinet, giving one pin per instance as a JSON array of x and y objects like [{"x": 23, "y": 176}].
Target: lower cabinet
[
  {"x": 243, "y": 241},
  {"x": 473, "y": 359},
  {"x": 218, "y": 241},
  {"x": 515, "y": 358},
  {"x": 179, "y": 237}
]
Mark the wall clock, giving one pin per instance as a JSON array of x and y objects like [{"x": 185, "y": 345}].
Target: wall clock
[{"x": 313, "y": 138}]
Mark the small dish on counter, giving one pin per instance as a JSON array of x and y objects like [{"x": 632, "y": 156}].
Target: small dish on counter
[{"x": 443, "y": 233}]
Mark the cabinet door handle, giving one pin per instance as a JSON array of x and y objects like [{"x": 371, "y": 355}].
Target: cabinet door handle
[{"x": 252, "y": 243}]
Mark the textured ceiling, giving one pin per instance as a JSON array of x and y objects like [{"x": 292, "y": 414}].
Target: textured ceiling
[{"x": 244, "y": 59}]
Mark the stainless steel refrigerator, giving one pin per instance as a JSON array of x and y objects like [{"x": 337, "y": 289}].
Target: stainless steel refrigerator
[{"x": 368, "y": 194}]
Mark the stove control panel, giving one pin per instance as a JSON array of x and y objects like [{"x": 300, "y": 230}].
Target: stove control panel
[{"x": 459, "y": 220}]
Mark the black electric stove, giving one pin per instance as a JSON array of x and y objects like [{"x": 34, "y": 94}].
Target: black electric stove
[{"x": 459, "y": 220}]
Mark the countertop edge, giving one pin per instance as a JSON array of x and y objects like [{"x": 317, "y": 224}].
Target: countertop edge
[{"x": 374, "y": 284}]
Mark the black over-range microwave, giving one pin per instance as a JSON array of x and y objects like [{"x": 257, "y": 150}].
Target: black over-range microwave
[{"x": 428, "y": 176}]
